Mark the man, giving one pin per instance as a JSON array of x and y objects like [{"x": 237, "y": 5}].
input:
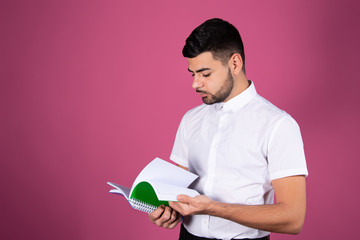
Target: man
[{"x": 244, "y": 149}]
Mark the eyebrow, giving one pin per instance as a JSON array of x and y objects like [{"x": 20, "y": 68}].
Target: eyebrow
[{"x": 199, "y": 70}]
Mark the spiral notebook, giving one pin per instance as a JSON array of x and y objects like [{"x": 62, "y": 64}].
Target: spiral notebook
[
  {"x": 157, "y": 184},
  {"x": 135, "y": 203}
]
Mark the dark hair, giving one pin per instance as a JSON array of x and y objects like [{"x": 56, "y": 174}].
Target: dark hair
[{"x": 216, "y": 36}]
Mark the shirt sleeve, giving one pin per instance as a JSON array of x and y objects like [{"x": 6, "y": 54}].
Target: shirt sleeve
[
  {"x": 286, "y": 150},
  {"x": 180, "y": 149}
]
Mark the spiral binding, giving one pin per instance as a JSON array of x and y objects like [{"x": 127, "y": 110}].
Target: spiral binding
[{"x": 141, "y": 205}]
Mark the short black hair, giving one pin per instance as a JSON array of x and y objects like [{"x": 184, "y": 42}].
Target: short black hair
[{"x": 217, "y": 36}]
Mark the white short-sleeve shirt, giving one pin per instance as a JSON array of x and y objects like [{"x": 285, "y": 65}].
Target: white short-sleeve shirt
[{"x": 237, "y": 148}]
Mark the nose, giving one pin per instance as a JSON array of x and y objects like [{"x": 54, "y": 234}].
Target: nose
[{"x": 197, "y": 83}]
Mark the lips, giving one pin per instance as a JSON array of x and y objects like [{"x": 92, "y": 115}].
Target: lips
[{"x": 202, "y": 93}]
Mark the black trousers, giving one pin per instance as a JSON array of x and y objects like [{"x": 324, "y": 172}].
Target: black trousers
[{"x": 185, "y": 235}]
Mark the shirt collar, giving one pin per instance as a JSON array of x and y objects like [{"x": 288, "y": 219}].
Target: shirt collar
[{"x": 239, "y": 100}]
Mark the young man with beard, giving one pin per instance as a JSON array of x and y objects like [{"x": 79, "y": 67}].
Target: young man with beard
[{"x": 244, "y": 149}]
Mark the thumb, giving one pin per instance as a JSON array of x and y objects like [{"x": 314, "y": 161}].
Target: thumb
[{"x": 183, "y": 198}]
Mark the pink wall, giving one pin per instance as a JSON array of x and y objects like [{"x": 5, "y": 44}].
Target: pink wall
[{"x": 92, "y": 91}]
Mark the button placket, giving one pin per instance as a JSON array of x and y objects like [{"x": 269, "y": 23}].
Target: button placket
[
  {"x": 208, "y": 187},
  {"x": 213, "y": 154}
]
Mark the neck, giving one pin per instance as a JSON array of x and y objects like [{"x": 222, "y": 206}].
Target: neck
[{"x": 241, "y": 83}]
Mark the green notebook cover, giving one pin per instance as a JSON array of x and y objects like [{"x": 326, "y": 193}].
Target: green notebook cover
[{"x": 144, "y": 191}]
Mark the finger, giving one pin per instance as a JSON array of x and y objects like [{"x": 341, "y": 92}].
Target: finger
[
  {"x": 156, "y": 214},
  {"x": 175, "y": 206},
  {"x": 184, "y": 198},
  {"x": 175, "y": 223},
  {"x": 181, "y": 208},
  {"x": 174, "y": 216},
  {"x": 173, "y": 220},
  {"x": 164, "y": 218}
]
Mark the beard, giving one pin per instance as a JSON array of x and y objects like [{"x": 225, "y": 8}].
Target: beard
[{"x": 222, "y": 93}]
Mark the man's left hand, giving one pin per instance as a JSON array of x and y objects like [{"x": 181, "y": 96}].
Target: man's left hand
[{"x": 192, "y": 205}]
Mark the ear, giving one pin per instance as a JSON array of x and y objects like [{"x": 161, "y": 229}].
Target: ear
[{"x": 236, "y": 63}]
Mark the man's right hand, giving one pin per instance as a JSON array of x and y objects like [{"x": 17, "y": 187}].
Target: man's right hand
[{"x": 165, "y": 217}]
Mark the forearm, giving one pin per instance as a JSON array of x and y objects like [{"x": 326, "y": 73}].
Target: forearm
[
  {"x": 273, "y": 218},
  {"x": 286, "y": 216}
]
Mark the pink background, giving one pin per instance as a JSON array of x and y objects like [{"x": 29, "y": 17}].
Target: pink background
[{"x": 91, "y": 91}]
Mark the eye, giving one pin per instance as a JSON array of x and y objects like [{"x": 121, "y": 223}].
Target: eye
[{"x": 207, "y": 75}]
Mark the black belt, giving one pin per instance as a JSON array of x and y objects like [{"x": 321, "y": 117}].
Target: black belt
[{"x": 185, "y": 235}]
